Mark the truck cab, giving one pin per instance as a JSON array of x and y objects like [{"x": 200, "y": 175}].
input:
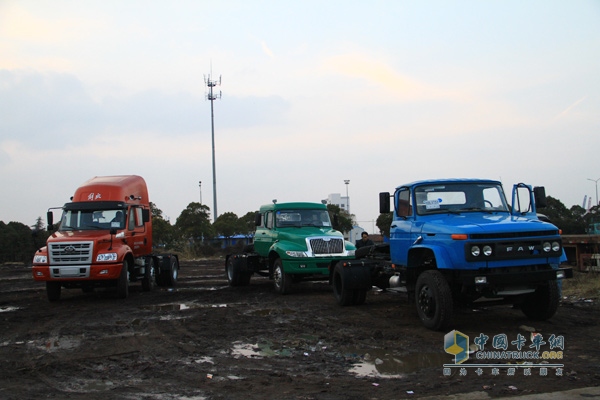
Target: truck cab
[
  {"x": 456, "y": 241},
  {"x": 103, "y": 238},
  {"x": 292, "y": 242}
]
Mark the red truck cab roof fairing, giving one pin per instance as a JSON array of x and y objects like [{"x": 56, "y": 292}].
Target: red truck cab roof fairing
[{"x": 127, "y": 188}]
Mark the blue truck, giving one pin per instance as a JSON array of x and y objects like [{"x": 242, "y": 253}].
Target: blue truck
[{"x": 455, "y": 242}]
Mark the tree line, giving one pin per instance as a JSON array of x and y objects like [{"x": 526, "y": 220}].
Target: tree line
[{"x": 192, "y": 235}]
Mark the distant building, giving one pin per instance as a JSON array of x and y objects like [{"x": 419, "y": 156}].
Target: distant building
[{"x": 338, "y": 200}]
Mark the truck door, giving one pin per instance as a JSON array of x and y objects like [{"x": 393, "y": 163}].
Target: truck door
[
  {"x": 136, "y": 231},
  {"x": 265, "y": 235}
]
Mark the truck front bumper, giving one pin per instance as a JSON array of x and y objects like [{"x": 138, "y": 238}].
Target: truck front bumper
[
  {"x": 76, "y": 272},
  {"x": 509, "y": 276},
  {"x": 306, "y": 266}
]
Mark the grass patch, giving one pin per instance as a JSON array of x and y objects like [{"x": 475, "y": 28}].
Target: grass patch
[{"x": 584, "y": 285}]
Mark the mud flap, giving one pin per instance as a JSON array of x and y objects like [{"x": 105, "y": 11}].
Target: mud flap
[
  {"x": 240, "y": 262},
  {"x": 355, "y": 275}
]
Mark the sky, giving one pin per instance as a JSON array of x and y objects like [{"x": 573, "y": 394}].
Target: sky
[{"x": 313, "y": 93}]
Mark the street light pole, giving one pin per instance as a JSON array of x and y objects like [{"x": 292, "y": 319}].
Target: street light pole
[
  {"x": 213, "y": 96},
  {"x": 347, "y": 182},
  {"x": 596, "y": 182},
  {"x": 200, "y": 186}
]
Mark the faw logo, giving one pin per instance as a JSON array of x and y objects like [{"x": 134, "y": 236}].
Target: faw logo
[
  {"x": 519, "y": 248},
  {"x": 510, "y": 249}
]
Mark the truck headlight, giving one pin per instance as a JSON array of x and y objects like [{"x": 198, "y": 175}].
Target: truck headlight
[
  {"x": 487, "y": 251},
  {"x": 547, "y": 247},
  {"x": 351, "y": 253},
  {"x": 475, "y": 251},
  {"x": 105, "y": 257},
  {"x": 40, "y": 259},
  {"x": 296, "y": 253},
  {"x": 555, "y": 246}
]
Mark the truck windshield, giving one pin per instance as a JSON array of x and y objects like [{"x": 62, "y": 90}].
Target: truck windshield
[
  {"x": 87, "y": 220},
  {"x": 299, "y": 218},
  {"x": 459, "y": 198}
]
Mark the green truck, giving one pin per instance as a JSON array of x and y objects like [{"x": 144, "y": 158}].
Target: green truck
[{"x": 292, "y": 242}]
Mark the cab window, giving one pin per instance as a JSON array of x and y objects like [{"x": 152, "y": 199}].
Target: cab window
[
  {"x": 404, "y": 206},
  {"x": 136, "y": 219},
  {"x": 269, "y": 220}
]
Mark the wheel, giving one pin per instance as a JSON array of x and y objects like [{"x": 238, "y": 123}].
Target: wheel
[
  {"x": 123, "y": 281},
  {"x": 53, "y": 290},
  {"x": 168, "y": 276},
  {"x": 149, "y": 279},
  {"x": 343, "y": 295},
  {"x": 360, "y": 296},
  {"x": 543, "y": 303},
  {"x": 235, "y": 276},
  {"x": 364, "y": 251},
  {"x": 231, "y": 272},
  {"x": 283, "y": 281},
  {"x": 434, "y": 300}
]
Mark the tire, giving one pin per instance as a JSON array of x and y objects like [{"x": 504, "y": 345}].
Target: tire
[
  {"x": 543, "y": 303},
  {"x": 235, "y": 276},
  {"x": 149, "y": 279},
  {"x": 360, "y": 296},
  {"x": 434, "y": 300},
  {"x": 123, "y": 281},
  {"x": 170, "y": 276},
  {"x": 53, "y": 290},
  {"x": 343, "y": 295},
  {"x": 281, "y": 280},
  {"x": 364, "y": 251}
]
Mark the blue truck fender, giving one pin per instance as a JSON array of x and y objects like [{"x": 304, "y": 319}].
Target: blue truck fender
[{"x": 440, "y": 253}]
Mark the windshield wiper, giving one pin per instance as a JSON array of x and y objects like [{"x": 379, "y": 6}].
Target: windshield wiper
[
  {"x": 94, "y": 227},
  {"x": 476, "y": 209}
]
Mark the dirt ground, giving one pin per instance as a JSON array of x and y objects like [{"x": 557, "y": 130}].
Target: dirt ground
[{"x": 206, "y": 340}]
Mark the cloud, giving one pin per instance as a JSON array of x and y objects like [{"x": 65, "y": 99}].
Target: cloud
[
  {"x": 380, "y": 74},
  {"x": 266, "y": 49},
  {"x": 568, "y": 110},
  {"x": 18, "y": 23},
  {"x": 50, "y": 110},
  {"x": 41, "y": 108}
]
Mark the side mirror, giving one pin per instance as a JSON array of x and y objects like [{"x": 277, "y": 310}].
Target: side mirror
[
  {"x": 384, "y": 202},
  {"x": 50, "y": 221},
  {"x": 257, "y": 219},
  {"x": 539, "y": 194},
  {"x": 146, "y": 215}
]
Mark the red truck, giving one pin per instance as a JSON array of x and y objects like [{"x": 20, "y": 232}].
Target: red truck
[{"x": 104, "y": 238}]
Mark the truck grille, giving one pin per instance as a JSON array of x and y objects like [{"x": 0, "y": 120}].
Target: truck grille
[
  {"x": 505, "y": 250},
  {"x": 71, "y": 253},
  {"x": 326, "y": 245}
]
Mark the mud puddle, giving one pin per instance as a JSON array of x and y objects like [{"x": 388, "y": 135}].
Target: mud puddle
[{"x": 382, "y": 363}]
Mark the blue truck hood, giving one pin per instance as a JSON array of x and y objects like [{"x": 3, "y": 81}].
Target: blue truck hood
[{"x": 474, "y": 223}]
